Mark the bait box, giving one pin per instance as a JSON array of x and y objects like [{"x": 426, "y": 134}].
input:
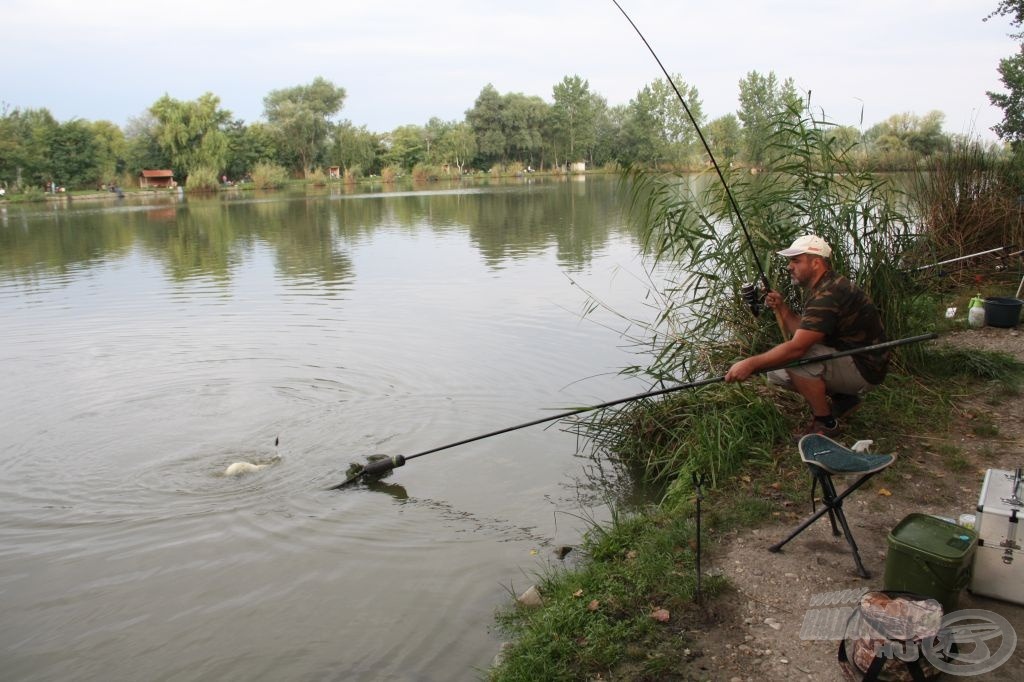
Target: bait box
[{"x": 931, "y": 557}]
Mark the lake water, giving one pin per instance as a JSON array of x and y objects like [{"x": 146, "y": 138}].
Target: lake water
[{"x": 148, "y": 345}]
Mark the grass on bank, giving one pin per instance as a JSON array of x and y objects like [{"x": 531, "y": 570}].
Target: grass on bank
[{"x": 597, "y": 619}]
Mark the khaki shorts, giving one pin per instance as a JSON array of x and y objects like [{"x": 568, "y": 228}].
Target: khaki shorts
[{"x": 840, "y": 374}]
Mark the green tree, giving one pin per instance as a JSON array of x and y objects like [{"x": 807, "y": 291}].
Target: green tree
[
  {"x": 486, "y": 121},
  {"x": 907, "y": 132},
  {"x": 248, "y": 145},
  {"x": 144, "y": 151},
  {"x": 609, "y": 134},
  {"x": 302, "y": 117},
  {"x": 191, "y": 133},
  {"x": 73, "y": 154},
  {"x": 354, "y": 148},
  {"x": 111, "y": 150},
  {"x": 405, "y": 147},
  {"x": 725, "y": 137},
  {"x": 658, "y": 129},
  {"x": 25, "y": 137},
  {"x": 454, "y": 144},
  {"x": 524, "y": 118},
  {"x": 847, "y": 137},
  {"x": 573, "y": 117},
  {"x": 763, "y": 99},
  {"x": 507, "y": 127},
  {"x": 1011, "y": 73}
]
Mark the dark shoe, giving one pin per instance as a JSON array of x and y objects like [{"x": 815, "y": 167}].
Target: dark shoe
[
  {"x": 844, "y": 404},
  {"x": 817, "y": 426}
]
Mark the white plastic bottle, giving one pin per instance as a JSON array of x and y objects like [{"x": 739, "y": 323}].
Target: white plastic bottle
[{"x": 976, "y": 313}]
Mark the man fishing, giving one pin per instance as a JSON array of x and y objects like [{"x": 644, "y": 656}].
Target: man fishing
[{"x": 837, "y": 316}]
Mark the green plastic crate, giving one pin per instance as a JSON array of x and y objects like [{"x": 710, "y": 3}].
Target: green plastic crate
[{"x": 931, "y": 557}]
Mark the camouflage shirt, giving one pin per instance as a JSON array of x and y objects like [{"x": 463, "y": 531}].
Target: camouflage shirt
[{"x": 848, "y": 319}]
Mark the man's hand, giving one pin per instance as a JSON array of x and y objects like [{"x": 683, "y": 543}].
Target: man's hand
[
  {"x": 773, "y": 300},
  {"x": 740, "y": 370}
]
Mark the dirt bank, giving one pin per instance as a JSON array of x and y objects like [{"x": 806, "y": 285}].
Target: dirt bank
[{"x": 755, "y": 632}]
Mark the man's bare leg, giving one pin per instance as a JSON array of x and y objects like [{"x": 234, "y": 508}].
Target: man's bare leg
[{"x": 813, "y": 391}]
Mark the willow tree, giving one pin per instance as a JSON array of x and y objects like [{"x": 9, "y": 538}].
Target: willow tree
[
  {"x": 302, "y": 116},
  {"x": 191, "y": 133},
  {"x": 508, "y": 127}
]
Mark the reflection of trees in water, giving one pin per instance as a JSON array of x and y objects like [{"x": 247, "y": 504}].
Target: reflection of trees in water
[
  {"x": 212, "y": 236},
  {"x": 574, "y": 217},
  {"x": 58, "y": 241},
  {"x": 201, "y": 242}
]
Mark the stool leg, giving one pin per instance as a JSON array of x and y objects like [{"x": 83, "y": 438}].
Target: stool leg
[
  {"x": 833, "y": 505},
  {"x": 777, "y": 547},
  {"x": 861, "y": 571},
  {"x": 828, "y": 498},
  {"x": 828, "y": 492}
]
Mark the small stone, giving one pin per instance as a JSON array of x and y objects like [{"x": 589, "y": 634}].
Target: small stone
[
  {"x": 499, "y": 657},
  {"x": 783, "y": 660},
  {"x": 531, "y": 597}
]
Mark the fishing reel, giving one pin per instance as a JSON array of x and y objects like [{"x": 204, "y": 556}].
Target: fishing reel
[{"x": 753, "y": 297}]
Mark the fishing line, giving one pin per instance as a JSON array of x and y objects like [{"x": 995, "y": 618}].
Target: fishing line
[{"x": 707, "y": 148}]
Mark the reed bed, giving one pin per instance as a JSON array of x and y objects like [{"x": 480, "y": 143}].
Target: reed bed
[
  {"x": 811, "y": 184},
  {"x": 969, "y": 200}
]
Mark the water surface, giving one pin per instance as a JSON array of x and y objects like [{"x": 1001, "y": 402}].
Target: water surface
[{"x": 149, "y": 344}]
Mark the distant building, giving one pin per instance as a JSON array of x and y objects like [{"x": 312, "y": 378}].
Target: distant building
[
  {"x": 334, "y": 172},
  {"x": 156, "y": 179},
  {"x": 578, "y": 167}
]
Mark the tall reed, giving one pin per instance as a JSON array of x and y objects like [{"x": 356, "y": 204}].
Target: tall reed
[
  {"x": 202, "y": 179},
  {"x": 969, "y": 200},
  {"x": 811, "y": 185},
  {"x": 269, "y": 176}
]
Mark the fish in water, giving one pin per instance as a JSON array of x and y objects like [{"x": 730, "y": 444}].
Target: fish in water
[{"x": 242, "y": 468}]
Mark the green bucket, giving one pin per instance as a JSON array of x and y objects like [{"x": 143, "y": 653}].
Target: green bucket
[{"x": 931, "y": 557}]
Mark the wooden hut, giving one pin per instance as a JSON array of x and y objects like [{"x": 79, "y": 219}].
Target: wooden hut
[{"x": 156, "y": 179}]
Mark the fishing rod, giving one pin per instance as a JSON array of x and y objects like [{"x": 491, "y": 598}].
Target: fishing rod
[
  {"x": 970, "y": 255},
  {"x": 382, "y": 464},
  {"x": 748, "y": 291}
]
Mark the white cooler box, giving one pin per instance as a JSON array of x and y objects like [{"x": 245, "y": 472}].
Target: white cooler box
[{"x": 998, "y": 569}]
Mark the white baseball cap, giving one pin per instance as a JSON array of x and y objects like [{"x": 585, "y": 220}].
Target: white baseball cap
[{"x": 815, "y": 246}]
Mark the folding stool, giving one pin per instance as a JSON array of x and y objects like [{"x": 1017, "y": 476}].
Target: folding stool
[{"x": 825, "y": 458}]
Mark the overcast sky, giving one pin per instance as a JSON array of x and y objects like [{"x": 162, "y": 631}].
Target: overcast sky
[{"x": 405, "y": 61}]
